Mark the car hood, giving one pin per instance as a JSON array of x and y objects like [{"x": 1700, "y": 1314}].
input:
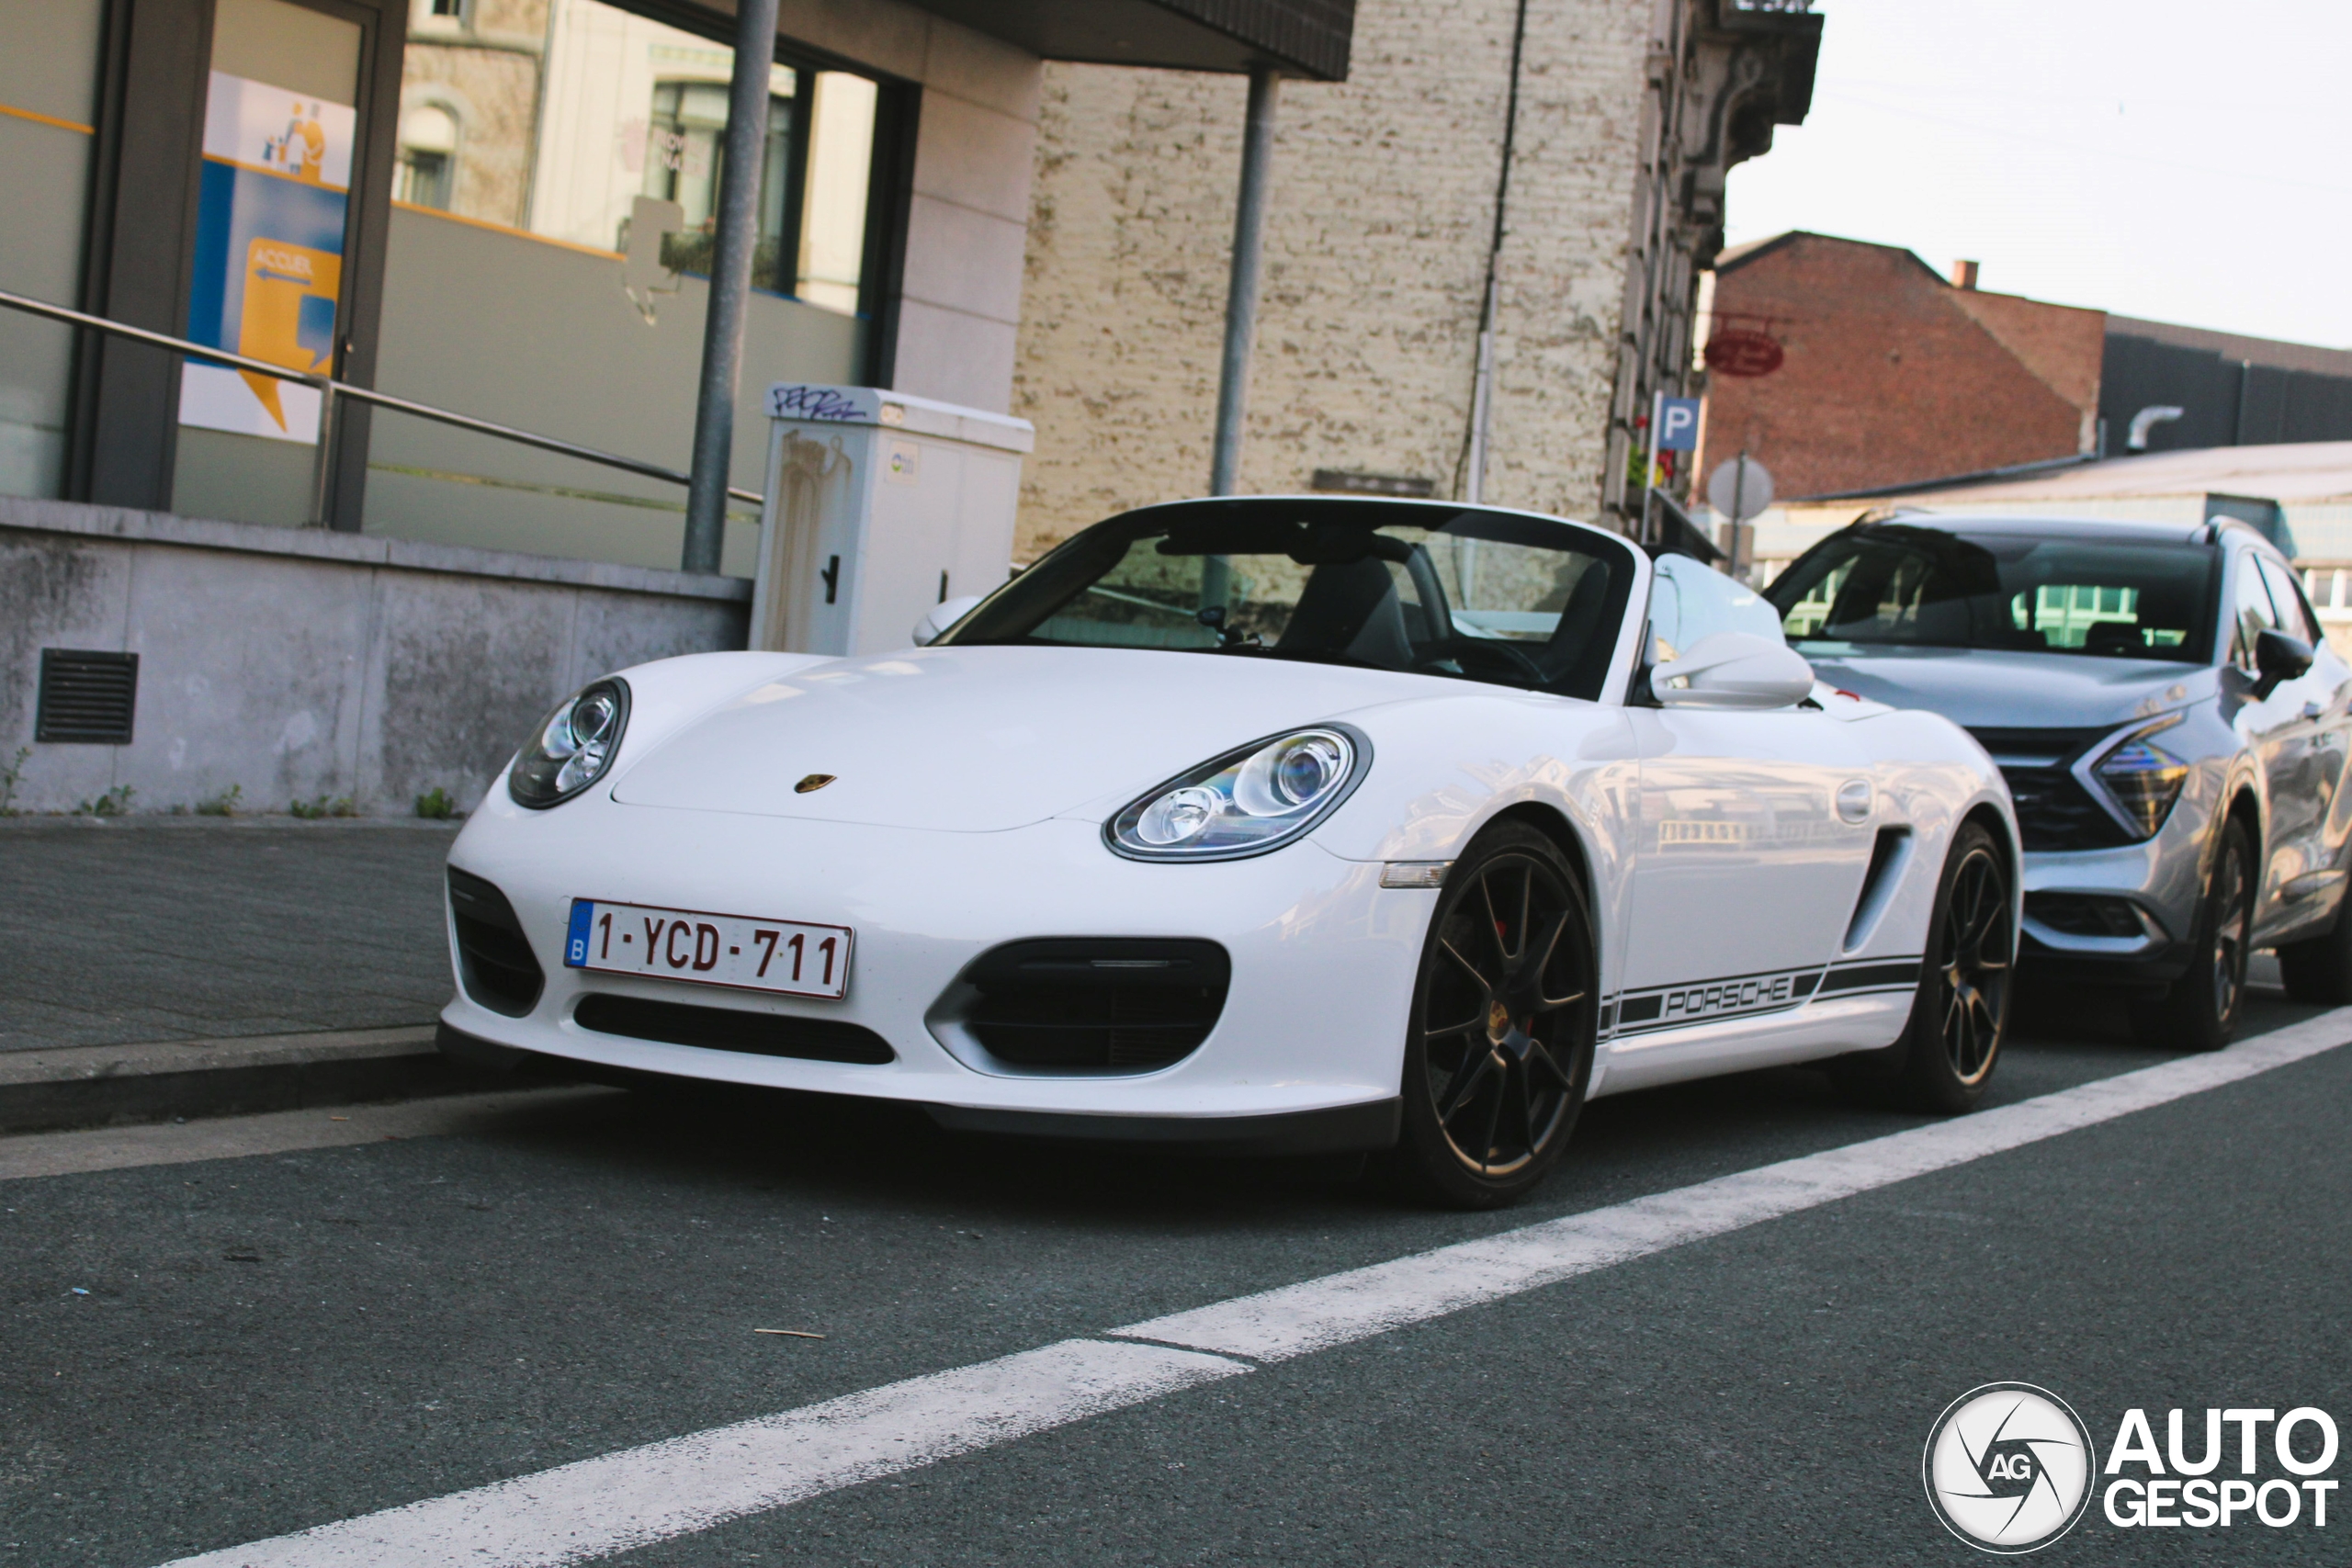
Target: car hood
[
  {"x": 1991, "y": 689},
  {"x": 978, "y": 740}
]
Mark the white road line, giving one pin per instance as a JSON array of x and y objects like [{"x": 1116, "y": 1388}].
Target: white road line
[
  {"x": 1318, "y": 1314},
  {"x": 635, "y": 1496},
  {"x": 640, "y": 1495}
]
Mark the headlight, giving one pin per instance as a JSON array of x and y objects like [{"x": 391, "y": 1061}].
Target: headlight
[
  {"x": 2142, "y": 778},
  {"x": 1246, "y": 802},
  {"x": 573, "y": 747}
]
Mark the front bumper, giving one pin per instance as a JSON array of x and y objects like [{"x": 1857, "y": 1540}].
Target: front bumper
[
  {"x": 1307, "y": 1053},
  {"x": 2160, "y": 883}
]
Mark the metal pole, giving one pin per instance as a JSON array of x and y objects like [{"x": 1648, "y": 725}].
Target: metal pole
[
  {"x": 730, "y": 285},
  {"x": 1649, "y": 464},
  {"x": 322, "y": 459},
  {"x": 1241, "y": 293},
  {"x": 1738, "y": 505}
]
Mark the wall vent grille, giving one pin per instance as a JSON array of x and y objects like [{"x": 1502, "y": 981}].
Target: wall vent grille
[{"x": 86, "y": 698}]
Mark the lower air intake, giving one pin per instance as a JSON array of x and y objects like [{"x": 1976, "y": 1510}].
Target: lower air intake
[
  {"x": 1107, "y": 1004},
  {"x": 728, "y": 1029},
  {"x": 494, "y": 959}
]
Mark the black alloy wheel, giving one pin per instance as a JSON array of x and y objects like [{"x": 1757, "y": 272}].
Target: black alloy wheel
[
  {"x": 1960, "y": 1013},
  {"x": 1975, "y": 960},
  {"x": 1500, "y": 1046},
  {"x": 2200, "y": 1011}
]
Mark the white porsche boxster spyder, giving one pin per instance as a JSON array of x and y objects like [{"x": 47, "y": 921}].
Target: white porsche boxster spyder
[{"x": 1279, "y": 824}]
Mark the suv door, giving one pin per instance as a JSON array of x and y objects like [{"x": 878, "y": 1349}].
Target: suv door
[{"x": 2303, "y": 759}]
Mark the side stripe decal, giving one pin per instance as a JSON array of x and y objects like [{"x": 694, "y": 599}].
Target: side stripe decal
[{"x": 1739, "y": 996}]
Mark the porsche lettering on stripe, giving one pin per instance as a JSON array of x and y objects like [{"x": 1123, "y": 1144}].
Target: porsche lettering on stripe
[{"x": 1734, "y": 996}]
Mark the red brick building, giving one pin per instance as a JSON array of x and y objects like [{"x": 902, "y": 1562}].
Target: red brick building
[{"x": 1889, "y": 373}]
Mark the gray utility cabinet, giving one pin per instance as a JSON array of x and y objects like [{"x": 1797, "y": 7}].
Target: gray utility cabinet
[{"x": 879, "y": 506}]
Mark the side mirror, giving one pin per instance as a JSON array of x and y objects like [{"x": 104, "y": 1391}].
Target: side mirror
[
  {"x": 1734, "y": 670},
  {"x": 941, "y": 617},
  {"x": 2278, "y": 659}
]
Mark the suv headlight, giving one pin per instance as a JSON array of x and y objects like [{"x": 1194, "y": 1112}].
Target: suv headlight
[
  {"x": 1248, "y": 801},
  {"x": 572, "y": 746},
  {"x": 2142, "y": 778}
]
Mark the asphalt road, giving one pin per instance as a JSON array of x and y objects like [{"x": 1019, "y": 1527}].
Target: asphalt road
[{"x": 288, "y": 1338}]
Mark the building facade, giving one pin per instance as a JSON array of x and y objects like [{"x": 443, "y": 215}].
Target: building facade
[
  {"x": 1889, "y": 373},
  {"x": 494, "y": 208},
  {"x": 1570, "y": 154}
]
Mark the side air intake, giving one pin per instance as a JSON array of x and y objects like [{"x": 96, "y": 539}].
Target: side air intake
[{"x": 1889, "y": 855}]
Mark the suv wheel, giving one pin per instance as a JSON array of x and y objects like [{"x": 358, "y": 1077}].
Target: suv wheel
[{"x": 2200, "y": 1011}]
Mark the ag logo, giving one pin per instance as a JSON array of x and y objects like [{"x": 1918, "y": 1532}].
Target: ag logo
[{"x": 2008, "y": 1468}]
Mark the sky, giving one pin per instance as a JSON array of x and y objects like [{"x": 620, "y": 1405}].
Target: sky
[{"x": 2176, "y": 161}]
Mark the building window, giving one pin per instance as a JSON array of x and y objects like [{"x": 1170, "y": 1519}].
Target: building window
[
  {"x": 685, "y": 153},
  {"x": 622, "y": 106},
  {"x": 428, "y": 156}
]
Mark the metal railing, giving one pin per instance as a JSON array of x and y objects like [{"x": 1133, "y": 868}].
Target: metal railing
[{"x": 328, "y": 389}]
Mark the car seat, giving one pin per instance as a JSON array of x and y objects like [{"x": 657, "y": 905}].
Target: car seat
[
  {"x": 1575, "y": 658},
  {"x": 1350, "y": 608}
]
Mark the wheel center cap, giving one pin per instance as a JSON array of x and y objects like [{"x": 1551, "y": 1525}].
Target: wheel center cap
[{"x": 1497, "y": 1019}]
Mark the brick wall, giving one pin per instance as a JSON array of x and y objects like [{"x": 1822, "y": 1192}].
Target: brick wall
[
  {"x": 1891, "y": 373},
  {"x": 1381, "y": 213}
]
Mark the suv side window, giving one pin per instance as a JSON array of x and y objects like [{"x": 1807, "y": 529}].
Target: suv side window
[
  {"x": 2294, "y": 614},
  {"x": 2251, "y": 612}
]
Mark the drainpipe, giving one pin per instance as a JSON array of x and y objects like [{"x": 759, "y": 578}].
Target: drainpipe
[
  {"x": 1482, "y": 385},
  {"x": 1241, "y": 293},
  {"x": 730, "y": 285}
]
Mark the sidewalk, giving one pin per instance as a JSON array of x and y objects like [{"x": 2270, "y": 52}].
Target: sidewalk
[{"x": 157, "y": 967}]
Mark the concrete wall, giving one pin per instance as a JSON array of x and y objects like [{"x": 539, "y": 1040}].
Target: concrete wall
[
  {"x": 1381, "y": 216},
  {"x": 295, "y": 663}
]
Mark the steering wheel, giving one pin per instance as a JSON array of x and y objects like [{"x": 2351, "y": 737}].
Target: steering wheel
[{"x": 1495, "y": 654}]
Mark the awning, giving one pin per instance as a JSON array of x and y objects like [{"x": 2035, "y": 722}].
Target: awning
[{"x": 1298, "y": 37}]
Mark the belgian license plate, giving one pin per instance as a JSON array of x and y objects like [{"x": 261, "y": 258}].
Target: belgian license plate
[{"x": 791, "y": 956}]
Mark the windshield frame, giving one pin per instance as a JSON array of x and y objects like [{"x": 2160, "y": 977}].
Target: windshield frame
[
  {"x": 2196, "y": 648},
  {"x": 1629, "y": 575}
]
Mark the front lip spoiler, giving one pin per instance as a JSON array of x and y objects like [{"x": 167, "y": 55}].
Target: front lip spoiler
[{"x": 1337, "y": 1128}]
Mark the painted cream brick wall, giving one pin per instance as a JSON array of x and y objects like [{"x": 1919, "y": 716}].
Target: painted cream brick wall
[{"x": 1381, "y": 213}]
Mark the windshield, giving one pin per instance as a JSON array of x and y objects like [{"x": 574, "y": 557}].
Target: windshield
[
  {"x": 1436, "y": 589},
  {"x": 1923, "y": 587}
]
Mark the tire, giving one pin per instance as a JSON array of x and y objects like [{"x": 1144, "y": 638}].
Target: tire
[
  {"x": 2200, "y": 1011},
  {"x": 1960, "y": 1013},
  {"x": 2319, "y": 969},
  {"x": 1498, "y": 1049}
]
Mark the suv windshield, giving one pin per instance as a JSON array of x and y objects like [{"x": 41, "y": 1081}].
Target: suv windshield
[
  {"x": 1437, "y": 589},
  {"x": 1902, "y": 584}
]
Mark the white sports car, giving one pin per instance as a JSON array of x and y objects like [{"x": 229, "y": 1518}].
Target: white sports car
[{"x": 1275, "y": 823}]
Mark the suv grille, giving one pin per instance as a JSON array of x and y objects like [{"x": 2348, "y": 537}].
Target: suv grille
[
  {"x": 494, "y": 958},
  {"x": 726, "y": 1029},
  {"x": 2054, "y": 811},
  {"x": 1118, "y": 1004}
]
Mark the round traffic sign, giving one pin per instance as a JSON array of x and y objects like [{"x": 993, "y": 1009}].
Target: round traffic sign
[{"x": 1740, "y": 489}]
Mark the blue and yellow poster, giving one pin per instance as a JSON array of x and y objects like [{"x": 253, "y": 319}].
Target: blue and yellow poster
[{"x": 269, "y": 255}]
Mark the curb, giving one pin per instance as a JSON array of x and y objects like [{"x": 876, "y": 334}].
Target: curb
[
  {"x": 96, "y": 1086},
  {"x": 247, "y": 822}
]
